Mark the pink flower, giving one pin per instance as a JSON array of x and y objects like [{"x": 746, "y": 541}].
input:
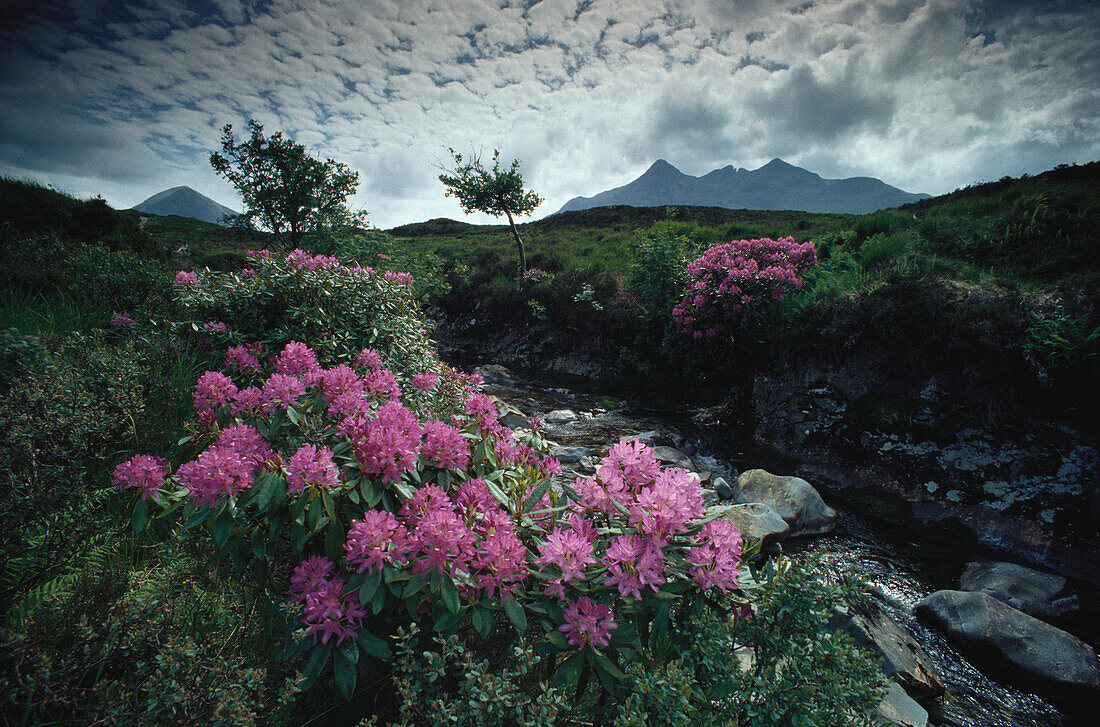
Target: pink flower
[
  {"x": 429, "y": 497},
  {"x": 664, "y": 508},
  {"x": 634, "y": 563},
  {"x": 213, "y": 389},
  {"x": 141, "y": 471},
  {"x": 329, "y": 612},
  {"x": 444, "y": 446},
  {"x": 283, "y": 389},
  {"x": 296, "y": 358},
  {"x": 386, "y": 446},
  {"x": 376, "y": 540},
  {"x": 500, "y": 561},
  {"x": 474, "y": 499},
  {"x": 308, "y": 574},
  {"x": 629, "y": 462},
  {"x": 480, "y": 406},
  {"x": 248, "y": 443},
  {"x": 310, "y": 467},
  {"x": 569, "y": 551},
  {"x": 339, "y": 380},
  {"x": 213, "y": 327},
  {"x": 588, "y": 623},
  {"x": 241, "y": 359},
  {"x": 425, "y": 381},
  {"x": 716, "y": 561},
  {"x": 186, "y": 277},
  {"x": 217, "y": 471},
  {"x": 251, "y": 402},
  {"x": 382, "y": 384},
  {"x": 370, "y": 359},
  {"x": 440, "y": 542},
  {"x": 121, "y": 320}
]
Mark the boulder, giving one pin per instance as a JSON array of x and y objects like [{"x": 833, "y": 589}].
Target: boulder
[
  {"x": 994, "y": 633},
  {"x": 496, "y": 374},
  {"x": 560, "y": 416},
  {"x": 569, "y": 455},
  {"x": 898, "y": 709},
  {"x": 793, "y": 498},
  {"x": 903, "y": 659},
  {"x": 674, "y": 457},
  {"x": 514, "y": 419},
  {"x": 1042, "y": 595},
  {"x": 755, "y": 520}
]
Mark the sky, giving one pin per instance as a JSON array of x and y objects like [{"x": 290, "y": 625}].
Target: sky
[{"x": 124, "y": 98}]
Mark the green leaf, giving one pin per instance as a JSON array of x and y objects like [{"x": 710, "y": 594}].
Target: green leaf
[
  {"x": 445, "y": 620},
  {"x": 345, "y": 673},
  {"x": 197, "y": 518},
  {"x": 330, "y": 504},
  {"x": 483, "y": 621},
  {"x": 334, "y": 541},
  {"x": 318, "y": 657},
  {"x": 515, "y": 613},
  {"x": 373, "y": 645},
  {"x": 141, "y": 515},
  {"x": 604, "y": 663},
  {"x": 259, "y": 543},
  {"x": 221, "y": 526},
  {"x": 370, "y": 585},
  {"x": 659, "y": 627},
  {"x": 405, "y": 489},
  {"x": 570, "y": 671},
  {"x": 449, "y": 593},
  {"x": 557, "y": 638},
  {"x": 498, "y": 494},
  {"x": 265, "y": 491},
  {"x": 536, "y": 496}
]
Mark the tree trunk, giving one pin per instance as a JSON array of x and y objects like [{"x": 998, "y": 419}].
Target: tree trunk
[{"x": 519, "y": 245}]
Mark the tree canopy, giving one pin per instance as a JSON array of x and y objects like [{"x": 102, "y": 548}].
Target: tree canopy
[
  {"x": 494, "y": 191},
  {"x": 284, "y": 189}
]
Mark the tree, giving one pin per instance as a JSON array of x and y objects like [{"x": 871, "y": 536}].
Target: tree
[
  {"x": 494, "y": 191},
  {"x": 283, "y": 188}
]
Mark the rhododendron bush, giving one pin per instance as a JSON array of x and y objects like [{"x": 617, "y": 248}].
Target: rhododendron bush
[
  {"x": 731, "y": 281},
  {"x": 363, "y": 498}
]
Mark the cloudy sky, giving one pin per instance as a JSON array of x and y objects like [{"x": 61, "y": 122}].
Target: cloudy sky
[{"x": 125, "y": 98}]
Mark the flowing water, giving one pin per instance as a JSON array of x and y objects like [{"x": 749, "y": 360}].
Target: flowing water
[{"x": 902, "y": 570}]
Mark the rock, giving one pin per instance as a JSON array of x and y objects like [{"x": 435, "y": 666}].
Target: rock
[
  {"x": 756, "y": 521},
  {"x": 496, "y": 374},
  {"x": 998, "y": 635},
  {"x": 1042, "y": 595},
  {"x": 560, "y": 416},
  {"x": 674, "y": 457},
  {"x": 569, "y": 455},
  {"x": 904, "y": 660},
  {"x": 514, "y": 419},
  {"x": 723, "y": 488},
  {"x": 898, "y": 709},
  {"x": 793, "y": 498}
]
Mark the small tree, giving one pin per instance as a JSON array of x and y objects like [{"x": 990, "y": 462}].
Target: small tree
[
  {"x": 283, "y": 188},
  {"x": 494, "y": 191}
]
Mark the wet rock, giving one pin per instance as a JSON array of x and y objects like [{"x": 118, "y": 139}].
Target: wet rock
[
  {"x": 560, "y": 416},
  {"x": 999, "y": 636},
  {"x": 756, "y": 521},
  {"x": 511, "y": 417},
  {"x": 793, "y": 498},
  {"x": 903, "y": 659},
  {"x": 674, "y": 457},
  {"x": 898, "y": 709},
  {"x": 723, "y": 488},
  {"x": 569, "y": 455},
  {"x": 1042, "y": 595},
  {"x": 496, "y": 374}
]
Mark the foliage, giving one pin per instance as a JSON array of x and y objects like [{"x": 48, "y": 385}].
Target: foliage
[
  {"x": 298, "y": 297},
  {"x": 658, "y": 265},
  {"x": 728, "y": 282},
  {"x": 283, "y": 188},
  {"x": 780, "y": 665},
  {"x": 494, "y": 191},
  {"x": 379, "y": 250},
  {"x": 447, "y": 684}
]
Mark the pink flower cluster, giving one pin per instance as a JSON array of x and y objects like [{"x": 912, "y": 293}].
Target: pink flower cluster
[
  {"x": 121, "y": 320},
  {"x": 426, "y": 381},
  {"x": 444, "y": 446},
  {"x": 298, "y": 258},
  {"x": 470, "y": 532},
  {"x": 387, "y": 445},
  {"x": 730, "y": 280},
  {"x": 186, "y": 277},
  {"x": 310, "y": 467},
  {"x": 328, "y": 611},
  {"x": 716, "y": 562},
  {"x": 243, "y": 358},
  {"x": 588, "y": 623},
  {"x": 142, "y": 471}
]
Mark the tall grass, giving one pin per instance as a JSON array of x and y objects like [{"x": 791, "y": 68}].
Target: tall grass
[{"x": 49, "y": 316}]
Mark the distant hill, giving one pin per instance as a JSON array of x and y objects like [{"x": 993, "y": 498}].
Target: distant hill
[
  {"x": 775, "y": 186},
  {"x": 185, "y": 202}
]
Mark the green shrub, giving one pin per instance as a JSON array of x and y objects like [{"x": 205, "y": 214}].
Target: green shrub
[{"x": 881, "y": 248}]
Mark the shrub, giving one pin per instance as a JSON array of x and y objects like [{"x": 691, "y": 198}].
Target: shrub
[{"x": 729, "y": 282}]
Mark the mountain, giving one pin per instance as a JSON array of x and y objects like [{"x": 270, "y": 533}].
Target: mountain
[
  {"x": 185, "y": 202},
  {"x": 775, "y": 186}
]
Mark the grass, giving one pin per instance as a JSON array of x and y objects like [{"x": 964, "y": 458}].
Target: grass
[{"x": 49, "y": 316}]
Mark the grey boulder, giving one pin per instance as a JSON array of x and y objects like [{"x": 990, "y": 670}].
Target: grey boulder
[
  {"x": 793, "y": 498},
  {"x": 755, "y": 520},
  {"x": 998, "y": 635},
  {"x": 674, "y": 457},
  {"x": 1043, "y": 595},
  {"x": 898, "y": 709}
]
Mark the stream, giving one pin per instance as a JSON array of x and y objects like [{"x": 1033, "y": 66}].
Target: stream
[{"x": 901, "y": 566}]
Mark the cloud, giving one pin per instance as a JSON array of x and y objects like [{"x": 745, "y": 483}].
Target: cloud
[{"x": 926, "y": 94}]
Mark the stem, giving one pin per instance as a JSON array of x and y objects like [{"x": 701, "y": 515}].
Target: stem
[{"x": 519, "y": 244}]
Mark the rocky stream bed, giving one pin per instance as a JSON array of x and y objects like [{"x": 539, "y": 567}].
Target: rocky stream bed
[{"x": 968, "y": 639}]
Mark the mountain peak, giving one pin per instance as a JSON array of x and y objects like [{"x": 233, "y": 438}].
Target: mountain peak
[
  {"x": 662, "y": 166},
  {"x": 184, "y": 202}
]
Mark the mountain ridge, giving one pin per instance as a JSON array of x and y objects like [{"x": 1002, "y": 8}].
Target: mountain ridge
[
  {"x": 777, "y": 185},
  {"x": 184, "y": 202}
]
